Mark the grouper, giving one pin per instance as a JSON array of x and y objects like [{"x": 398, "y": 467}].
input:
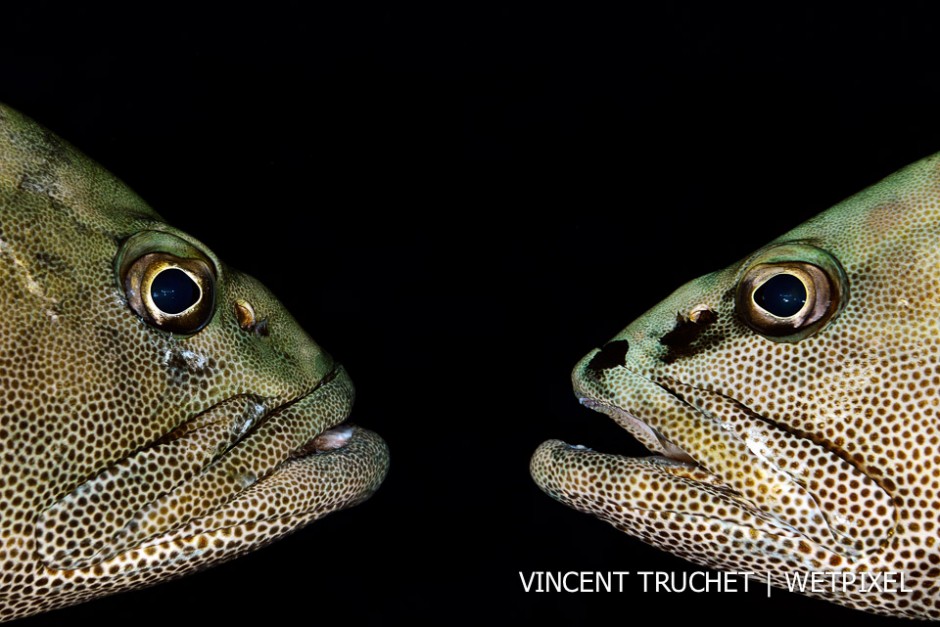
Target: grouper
[
  {"x": 159, "y": 411},
  {"x": 791, "y": 403}
]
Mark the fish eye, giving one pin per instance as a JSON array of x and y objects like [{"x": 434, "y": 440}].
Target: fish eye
[
  {"x": 172, "y": 289},
  {"x": 782, "y": 295},
  {"x": 787, "y": 301}
]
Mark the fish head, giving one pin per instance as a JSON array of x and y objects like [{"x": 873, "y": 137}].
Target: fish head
[
  {"x": 790, "y": 401},
  {"x": 161, "y": 411}
]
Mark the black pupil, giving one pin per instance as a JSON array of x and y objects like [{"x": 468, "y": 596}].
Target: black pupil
[
  {"x": 173, "y": 291},
  {"x": 782, "y": 295}
]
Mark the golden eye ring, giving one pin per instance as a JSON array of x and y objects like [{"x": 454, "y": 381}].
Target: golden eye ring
[
  {"x": 790, "y": 292},
  {"x": 167, "y": 282}
]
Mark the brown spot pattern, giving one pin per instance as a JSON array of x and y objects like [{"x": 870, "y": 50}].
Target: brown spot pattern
[
  {"x": 819, "y": 453},
  {"x": 130, "y": 455}
]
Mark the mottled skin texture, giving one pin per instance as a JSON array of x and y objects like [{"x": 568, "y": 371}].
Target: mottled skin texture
[
  {"x": 130, "y": 454},
  {"x": 816, "y": 451}
]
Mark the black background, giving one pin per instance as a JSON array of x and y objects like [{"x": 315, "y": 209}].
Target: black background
[{"x": 459, "y": 203}]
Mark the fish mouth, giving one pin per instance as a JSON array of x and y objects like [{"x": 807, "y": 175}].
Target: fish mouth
[
  {"x": 245, "y": 463},
  {"x": 640, "y": 430},
  {"x": 717, "y": 459}
]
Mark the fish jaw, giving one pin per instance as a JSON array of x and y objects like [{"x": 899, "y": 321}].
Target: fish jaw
[
  {"x": 724, "y": 488},
  {"x": 298, "y": 462}
]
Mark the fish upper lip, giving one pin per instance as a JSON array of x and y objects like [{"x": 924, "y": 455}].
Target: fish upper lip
[
  {"x": 668, "y": 449},
  {"x": 278, "y": 409}
]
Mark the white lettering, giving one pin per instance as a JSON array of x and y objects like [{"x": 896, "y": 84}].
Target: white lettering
[
  {"x": 572, "y": 581},
  {"x": 798, "y": 583},
  {"x": 875, "y": 582}
]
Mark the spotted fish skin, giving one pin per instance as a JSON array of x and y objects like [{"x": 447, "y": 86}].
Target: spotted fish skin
[
  {"x": 135, "y": 446},
  {"x": 785, "y": 445}
]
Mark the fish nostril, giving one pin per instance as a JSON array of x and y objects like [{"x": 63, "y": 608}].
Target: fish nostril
[{"x": 611, "y": 355}]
